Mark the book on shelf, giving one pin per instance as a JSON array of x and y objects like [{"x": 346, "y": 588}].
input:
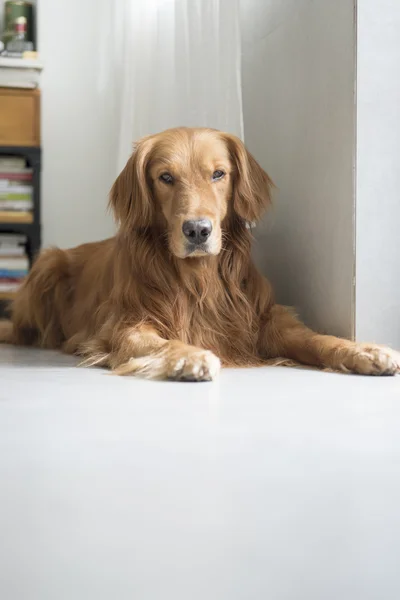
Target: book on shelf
[
  {"x": 20, "y": 62},
  {"x": 14, "y": 262},
  {"x": 15, "y": 216},
  {"x": 12, "y": 162},
  {"x": 16, "y": 190},
  {"x": 13, "y": 244},
  {"x": 15, "y": 275},
  {"x": 9, "y": 286},
  {"x": 12, "y": 251},
  {"x": 15, "y": 187},
  {"x": 13, "y": 78},
  {"x": 6, "y": 193},
  {"x": 19, "y": 72},
  {"x": 12, "y": 239},
  {"x": 17, "y": 175},
  {"x": 10, "y": 197},
  {"x": 18, "y": 205},
  {"x": 14, "y": 196},
  {"x": 16, "y": 193}
]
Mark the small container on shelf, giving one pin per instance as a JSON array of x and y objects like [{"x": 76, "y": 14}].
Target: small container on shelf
[
  {"x": 19, "y": 42},
  {"x": 14, "y": 10}
]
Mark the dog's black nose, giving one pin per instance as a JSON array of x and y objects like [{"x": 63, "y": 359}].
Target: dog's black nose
[{"x": 197, "y": 232}]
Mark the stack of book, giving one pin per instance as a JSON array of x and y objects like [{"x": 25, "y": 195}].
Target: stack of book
[
  {"x": 19, "y": 72},
  {"x": 16, "y": 190},
  {"x": 14, "y": 262}
]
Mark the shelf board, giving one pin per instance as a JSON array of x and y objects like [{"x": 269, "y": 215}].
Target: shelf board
[
  {"x": 15, "y": 217},
  {"x": 20, "y": 150}
]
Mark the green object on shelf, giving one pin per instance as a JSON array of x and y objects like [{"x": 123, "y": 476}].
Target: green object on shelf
[{"x": 13, "y": 10}]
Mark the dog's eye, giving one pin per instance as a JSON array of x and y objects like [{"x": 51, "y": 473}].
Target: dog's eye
[
  {"x": 218, "y": 175},
  {"x": 166, "y": 178}
]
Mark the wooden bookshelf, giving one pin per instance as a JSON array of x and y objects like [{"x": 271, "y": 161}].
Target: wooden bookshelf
[
  {"x": 19, "y": 117},
  {"x": 26, "y": 223}
]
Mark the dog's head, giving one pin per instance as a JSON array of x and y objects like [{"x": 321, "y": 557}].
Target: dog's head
[{"x": 186, "y": 182}]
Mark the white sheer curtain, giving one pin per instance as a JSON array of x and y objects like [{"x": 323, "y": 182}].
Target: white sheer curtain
[{"x": 176, "y": 62}]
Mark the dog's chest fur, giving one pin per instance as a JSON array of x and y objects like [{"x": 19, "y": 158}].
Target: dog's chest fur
[{"x": 207, "y": 314}]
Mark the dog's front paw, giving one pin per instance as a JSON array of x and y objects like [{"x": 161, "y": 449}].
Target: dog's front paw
[
  {"x": 193, "y": 364},
  {"x": 367, "y": 359}
]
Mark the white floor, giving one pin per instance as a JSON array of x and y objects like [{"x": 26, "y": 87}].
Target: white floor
[{"x": 270, "y": 484}]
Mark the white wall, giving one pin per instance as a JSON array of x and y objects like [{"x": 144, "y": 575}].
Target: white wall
[
  {"x": 78, "y": 125},
  {"x": 298, "y": 86},
  {"x": 299, "y": 115},
  {"x": 378, "y": 172}
]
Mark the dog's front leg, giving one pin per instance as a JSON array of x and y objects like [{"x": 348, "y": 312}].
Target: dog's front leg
[
  {"x": 282, "y": 335},
  {"x": 141, "y": 351}
]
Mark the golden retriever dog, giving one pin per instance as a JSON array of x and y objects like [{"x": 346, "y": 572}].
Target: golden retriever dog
[{"x": 175, "y": 293}]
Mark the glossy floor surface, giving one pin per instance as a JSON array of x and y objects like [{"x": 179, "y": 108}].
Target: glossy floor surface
[{"x": 269, "y": 484}]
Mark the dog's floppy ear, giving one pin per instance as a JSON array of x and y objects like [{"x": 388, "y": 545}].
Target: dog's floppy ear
[
  {"x": 251, "y": 184},
  {"x": 130, "y": 196}
]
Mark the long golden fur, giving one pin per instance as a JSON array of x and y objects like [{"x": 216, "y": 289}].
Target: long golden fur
[{"x": 150, "y": 302}]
